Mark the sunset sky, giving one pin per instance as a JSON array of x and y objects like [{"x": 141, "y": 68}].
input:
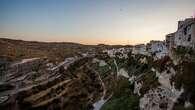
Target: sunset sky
[{"x": 92, "y": 21}]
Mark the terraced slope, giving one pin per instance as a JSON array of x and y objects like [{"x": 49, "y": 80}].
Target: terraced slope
[{"x": 61, "y": 88}]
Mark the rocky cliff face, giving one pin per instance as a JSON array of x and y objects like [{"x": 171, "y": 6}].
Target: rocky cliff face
[{"x": 158, "y": 84}]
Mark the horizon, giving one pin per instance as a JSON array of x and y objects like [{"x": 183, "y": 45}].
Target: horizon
[
  {"x": 92, "y": 22},
  {"x": 6, "y": 38}
]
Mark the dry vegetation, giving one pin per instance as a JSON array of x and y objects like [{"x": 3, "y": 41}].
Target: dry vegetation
[{"x": 18, "y": 49}]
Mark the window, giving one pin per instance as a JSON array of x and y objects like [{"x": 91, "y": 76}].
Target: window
[
  {"x": 189, "y": 37},
  {"x": 189, "y": 27},
  {"x": 185, "y": 30}
]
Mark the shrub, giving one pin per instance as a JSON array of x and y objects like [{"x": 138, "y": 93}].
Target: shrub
[
  {"x": 122, "y": 99},
  {"x": 185, "y": 78}
]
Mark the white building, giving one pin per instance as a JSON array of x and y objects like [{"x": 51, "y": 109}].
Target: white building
[
  {"x": 157, "y": 48},
  {"x": 120, "y": 52},
  {"x": 139, "y": 49},
  {"x": 185, "y": 34}
]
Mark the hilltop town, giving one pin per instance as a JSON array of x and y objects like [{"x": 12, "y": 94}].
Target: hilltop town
[
  {"x": 183, "y": 37},
  {"x": 159, "y": 75}
]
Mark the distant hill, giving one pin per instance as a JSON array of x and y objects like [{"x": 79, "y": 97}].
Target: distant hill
[
  {"x": 12, "y": 49},
  {"x": 56, "y": 51}
]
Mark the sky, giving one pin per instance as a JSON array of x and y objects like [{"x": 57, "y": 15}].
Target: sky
[{"x": 92, "y": 21}]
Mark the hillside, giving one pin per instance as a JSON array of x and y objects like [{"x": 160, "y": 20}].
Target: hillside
[
  {"x": 18, "y": 49},
  {"x": 107, "y": 78},
  {"x": 55, "y": 51}
]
